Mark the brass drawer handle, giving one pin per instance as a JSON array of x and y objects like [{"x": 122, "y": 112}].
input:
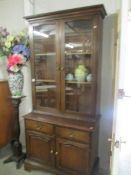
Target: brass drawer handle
[
  {"x": 38, "y": 127},
  {"x": 71, "y": 134}
]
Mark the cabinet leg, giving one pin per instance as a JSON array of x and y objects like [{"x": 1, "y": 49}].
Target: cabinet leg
[{"x": 27, "y": 167}]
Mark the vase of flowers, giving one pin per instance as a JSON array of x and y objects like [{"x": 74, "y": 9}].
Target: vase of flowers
[{"x": 16, "y": 48}]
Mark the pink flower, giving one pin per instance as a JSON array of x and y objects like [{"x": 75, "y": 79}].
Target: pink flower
[{"x": 14, "y": 60}]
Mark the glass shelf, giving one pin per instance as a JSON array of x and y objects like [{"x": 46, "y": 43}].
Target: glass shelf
[
  {"x": 78, "y": 82},
  {"x": 78, "y": 53},
  {"x": 45, "y": 54}
]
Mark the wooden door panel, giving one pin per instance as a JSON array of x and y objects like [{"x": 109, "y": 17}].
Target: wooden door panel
[
  {"x": 40, "y": 147},
  {"x": 72, "y": 157}
]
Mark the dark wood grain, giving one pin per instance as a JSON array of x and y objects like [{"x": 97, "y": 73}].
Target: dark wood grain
[{"x": 7, "y": 115}]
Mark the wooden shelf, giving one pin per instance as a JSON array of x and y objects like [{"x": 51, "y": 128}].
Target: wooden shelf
[
  {"x": 77, "y": 53},
  {"x": 41, "y": 80},
  {"x": 78, "y": 82},
  {"x": 66, "y": 53},
  {"x": 67, "y": 81},
  {"x": 45, "y": 54}
]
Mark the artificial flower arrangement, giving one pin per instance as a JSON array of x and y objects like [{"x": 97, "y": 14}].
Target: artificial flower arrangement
[{"x": 16, "y": 48}]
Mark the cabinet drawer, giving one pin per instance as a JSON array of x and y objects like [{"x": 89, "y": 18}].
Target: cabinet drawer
[
  {"x": 73, "y": 134},
  {"x": 39, "y": 126}
]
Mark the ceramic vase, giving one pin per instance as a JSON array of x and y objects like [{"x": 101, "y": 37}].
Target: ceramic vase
[{"x": 16, "y": 82}]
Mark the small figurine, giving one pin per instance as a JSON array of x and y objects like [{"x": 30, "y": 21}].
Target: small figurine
[
  {"x": 89, "y": 77},
  {"x": 69, "y": 76}
]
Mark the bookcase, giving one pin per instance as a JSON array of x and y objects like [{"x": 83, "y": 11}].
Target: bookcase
[{"x": 62, "y": 130}]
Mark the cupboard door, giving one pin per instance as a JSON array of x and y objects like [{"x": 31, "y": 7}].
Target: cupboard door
[
  {"x": 46, "y": 66},
  {"x": 40, "y": 148},
  {"x": 79, "y": 66},
  {"x": 72, "y": 157}
]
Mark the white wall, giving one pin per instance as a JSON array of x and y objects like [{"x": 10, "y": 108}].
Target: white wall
[
  {"x": 11, "y": 17},
  {"x": 43, "y": 6},
  {"x": 13, "y": 21},
  {"x": 11, "y": 14},
  {"x": 107, "y": 86},
  {"x": 130, "y": 4}
]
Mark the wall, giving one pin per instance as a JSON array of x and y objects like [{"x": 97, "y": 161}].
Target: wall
[
  {"x": 107, "y": 86},
  {"x": 42, "y": 6},
  {"x": 12, "y": 21},
  {"x": 11, "y": 17}
]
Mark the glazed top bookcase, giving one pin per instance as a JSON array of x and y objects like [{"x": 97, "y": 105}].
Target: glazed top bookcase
[
  {"x": 66, "y": 61},
  {"x": 62, "y": 130}
]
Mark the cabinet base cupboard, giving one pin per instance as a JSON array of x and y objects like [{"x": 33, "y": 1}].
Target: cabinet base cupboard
[
  {"x": 62, "y": 130},
  {"x": 60, "y": 145}
]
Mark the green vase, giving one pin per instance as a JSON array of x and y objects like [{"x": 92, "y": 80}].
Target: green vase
[{"x": 80, "y": 73}]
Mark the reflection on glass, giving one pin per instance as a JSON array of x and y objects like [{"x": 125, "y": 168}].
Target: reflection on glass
[
  {"x": 78, "y": 69},
  {"x": 45, "y": 60},
  {"x": 78, "y": 97}
]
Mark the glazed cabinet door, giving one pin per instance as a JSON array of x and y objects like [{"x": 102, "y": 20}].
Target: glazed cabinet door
[
  {"x": 40, "y": 147},
  {"x": 45, "y": 66},
  {"x": 79, "y": 61},
  {"x": 72, "y": 157}
]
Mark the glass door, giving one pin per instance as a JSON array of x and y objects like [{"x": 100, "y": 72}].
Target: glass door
[
  {"x": 45, "y": 63},
  {"x": 79, "y": 71}
]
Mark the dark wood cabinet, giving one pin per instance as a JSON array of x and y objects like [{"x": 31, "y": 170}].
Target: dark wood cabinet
[
  {"x": 40, "y": 147},
  {"x": 40, "y": 141},
  {"x": 7, "y": 115},
  {"x": 55, "y": 144},
  {"x": 72, "y": 157},
  {"x": 62, "y": 130}
]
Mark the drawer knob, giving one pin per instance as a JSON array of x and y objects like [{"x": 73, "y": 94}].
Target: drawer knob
[
  {"x": 95, "y": 26},
  {"x": 56, "y": 153},
  {"x": 91, "y": 128},
  {"x": 71, "y": 135},
  {"x": 51, "y": 151},
  {"x": 62, "y": 68},
  {"x": 33, "y": 80}
]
